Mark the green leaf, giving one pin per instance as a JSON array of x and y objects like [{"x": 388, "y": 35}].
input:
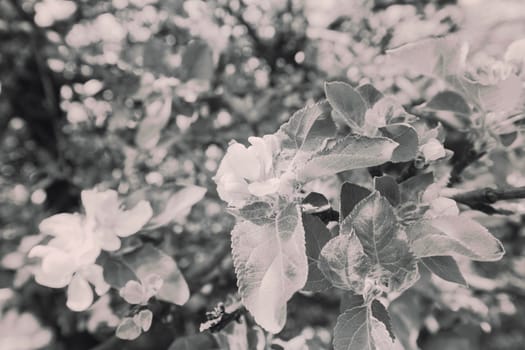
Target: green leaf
[
  {"x": 454, "y": 235},
  {"x": 300, "y": 124},
  {"x": 408, "y": 313},
  {"x": 197, "y": 61},
  {"x": 117, "y": 272},
  {"x": 508, "y": 139},
  {"x": 307, "y": 132},
  {"x": 449, "y": 101},
  {"x": 503, "y": 96},
  {"x": 357, "y": 328},
  {"x": 387, "y": 186},
  {"x": 445, "y": 267},
  {"x": 178, "y": 206},
  {"x": 406, "y": 136},
  {"x": 260, "y": 213},
  {"x": 271, "y": 265},
  {"x": 195, "y": 341},
  {"x": 381, "y": 313},
  {"x": 346, "y": 101},
  {"x": 369, "y": 94},
  {"x": 149, "y": 260},
  {"x": 158, "y": 113},
  {"x": 375, "y": 224},
  {"x": 344, "y": 263},
  {"x": 316, "y": 236},
  {"x": 412, "y": 189},
  {"x": 315, "y": 202},
  {"x": 352, "y": 152},
  {"x": 351, "y": 194}
]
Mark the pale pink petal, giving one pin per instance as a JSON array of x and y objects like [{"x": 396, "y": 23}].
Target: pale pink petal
[
  {"x": 89, "y": 251},
  {"x": 128, "y": 329},
  {"x": 143, "y": 319},
  {"x": 231, "y": 188},
  {"x": 107, "y": 240},
  {"x": 243, "y": 162},
  {"x": 58, "y": 265},
  {"x": 263, "y": 152},
  {"x": 79, "y": 294},
  {"x": 133, "y": 292},
  {"x": 60, "y": 224},
  {"x": 131, "y": 221},
  {"x": 265, "y": 187},
  {"x": 94, "y": 274},
  {"x": 40, "y": 251},
  {"x": 51, "y": 281},
  {"x": 96, "y": 202}
]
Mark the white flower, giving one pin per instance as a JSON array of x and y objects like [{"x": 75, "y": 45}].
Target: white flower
[
  {"x": 69, "y": 259},
  {"x": 247, "y": 172},
  {"x": 71, "y": 249},
  {"x": 22, "y": 332},
  {"x": 108, "y": 221}
]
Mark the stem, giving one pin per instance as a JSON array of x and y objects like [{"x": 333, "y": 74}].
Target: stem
[
  {"x": 490, "y": 195},
  {"x": 482, "y": 198}
]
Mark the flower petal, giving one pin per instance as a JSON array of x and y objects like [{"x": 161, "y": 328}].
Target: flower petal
[
  {"x": 107, "y": 240},
  {"x": 94, "y": 274},
  {"x": 51, "y": 281},
  {"x": 60, "y": 224},
  {"x": 79, "y": 294},
  {"x": 128, "y": 329},
  {"x": 133, "y": 292},
  {"x": 243, "y": 161},
  {"x": 265, "y": 187},
  {"x": 96, "y": 202},
  {"x": 131, "y": 221},
  {"x": 143, "y": 319}
]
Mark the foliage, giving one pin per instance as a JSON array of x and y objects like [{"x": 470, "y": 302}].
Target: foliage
[{"x": 371, "y": 162}]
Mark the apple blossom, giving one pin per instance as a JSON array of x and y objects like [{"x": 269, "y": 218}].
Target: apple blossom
[
  {"x": 69, "y": 259},
  {"x": 108, "y": 221},
  {"x": 248, "y": 172}
]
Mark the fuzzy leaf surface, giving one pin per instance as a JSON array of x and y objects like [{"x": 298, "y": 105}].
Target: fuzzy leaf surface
[
  {"x": 346, "y": 101},
  {"x": 445, "y": 267},
  {"x": 271, "y": 265},
  {"x": 316, "y": 236},
  {"x": 357, "y": 328},
  {"x": 375, "y": 224},
  {"x": 352, "y": 152},
  {"x": 454, "y": 235},
  {"x": 148, "y": 261},
  {"x": 406, "y": 136}
]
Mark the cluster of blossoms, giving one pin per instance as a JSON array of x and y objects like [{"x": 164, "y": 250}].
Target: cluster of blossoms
[{"x": 68, "y": 259}]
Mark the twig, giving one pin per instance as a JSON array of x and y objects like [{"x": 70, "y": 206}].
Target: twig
[{"x": 482, "y": 198}]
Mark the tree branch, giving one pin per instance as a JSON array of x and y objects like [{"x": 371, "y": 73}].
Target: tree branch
[{"x": 482, "y": 198}]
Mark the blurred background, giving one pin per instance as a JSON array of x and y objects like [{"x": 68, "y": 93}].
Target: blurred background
[{"x": 135, "y": 94}]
